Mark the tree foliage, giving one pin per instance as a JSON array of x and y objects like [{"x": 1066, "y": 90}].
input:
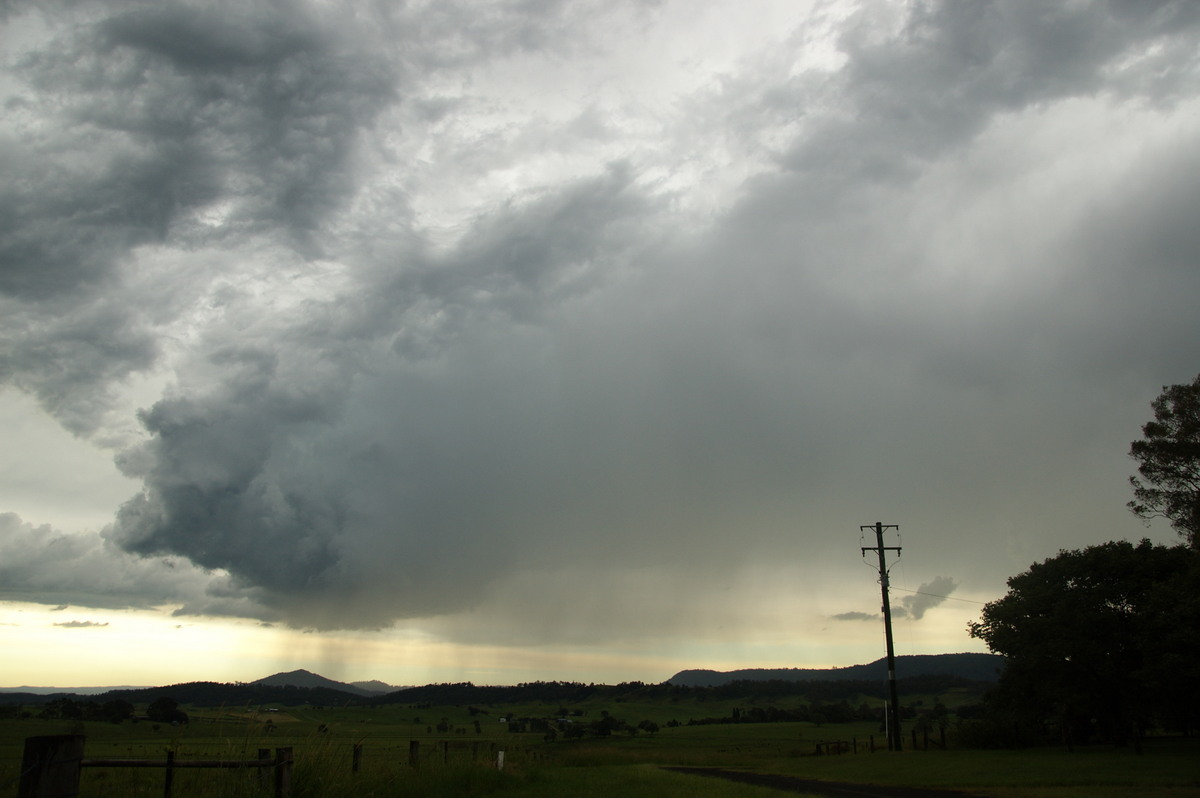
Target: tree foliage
[
  {"x": 1099, "y": 642},
  {"x": 1169, "y": 462},
  {"x": 166, "y": 710},
  {"x": 67, "y": 708}
]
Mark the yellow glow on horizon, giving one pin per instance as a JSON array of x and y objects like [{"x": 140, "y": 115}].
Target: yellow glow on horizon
[{"x": 81, "y": 647}]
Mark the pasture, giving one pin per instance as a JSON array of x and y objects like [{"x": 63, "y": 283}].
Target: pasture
[{"x": 457, "y": 748}]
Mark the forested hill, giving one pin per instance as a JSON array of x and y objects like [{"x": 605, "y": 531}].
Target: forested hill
[
  {"x": 215, "y": 694},
  {"x": 972, "y": 667},
  {"x": 200, "y": 694}
]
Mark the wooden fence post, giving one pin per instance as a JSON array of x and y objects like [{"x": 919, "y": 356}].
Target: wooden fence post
[
  {"x": 264, "y": 755},
  {"x": 50, "y": 766},
  {"x": 283, "y": 772},
  {"x": 356, "y": 758},
  {"x": 414, "y": 753},
  {"x": 169, "y": 778}
]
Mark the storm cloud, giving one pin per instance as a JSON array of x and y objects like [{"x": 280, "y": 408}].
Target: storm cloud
[{"x": 442, "y": 312}]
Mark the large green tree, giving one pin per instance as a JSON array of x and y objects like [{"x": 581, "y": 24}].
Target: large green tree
[
  {"x": 1169, "y": 462},
  {"x": 1099, "y": 643}
]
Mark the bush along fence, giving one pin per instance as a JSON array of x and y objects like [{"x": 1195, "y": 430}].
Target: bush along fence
[{"x": 51, "y": 766}]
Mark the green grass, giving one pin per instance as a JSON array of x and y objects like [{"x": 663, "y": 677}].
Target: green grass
[
  {"x": 1168, "y": 767},
  {"x": 460, "y": 762}
]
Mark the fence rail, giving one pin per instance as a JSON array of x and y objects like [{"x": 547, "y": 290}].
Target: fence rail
[
  {"x": 154, "y": 763},
  {"x": 51, "y": 766}
]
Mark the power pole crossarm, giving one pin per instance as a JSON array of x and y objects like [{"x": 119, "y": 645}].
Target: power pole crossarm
[{"x": 893, "y": 710}]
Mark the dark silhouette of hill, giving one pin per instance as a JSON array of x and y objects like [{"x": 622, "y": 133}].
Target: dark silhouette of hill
[
  {"x": 204, "y": 694},
  {"x": 71, "y": 690},
  {"x": 971, "y": 667},
  {"x": 215, "y": 694},
  {"x": 375, "y": 687},
  {"x": 287, "y": 689},
  {"x": 917, "y": 674},
  {"x": 308, "y": 679},
  {"x": 567, "y": 693}
]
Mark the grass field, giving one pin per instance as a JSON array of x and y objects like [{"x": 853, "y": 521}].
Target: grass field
[{"x": 461, "y": 760}]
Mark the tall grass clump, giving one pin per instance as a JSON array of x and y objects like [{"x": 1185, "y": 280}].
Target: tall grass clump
[
  {"x": 637, "y": 781},
  {"x": 323, "y": 769}
]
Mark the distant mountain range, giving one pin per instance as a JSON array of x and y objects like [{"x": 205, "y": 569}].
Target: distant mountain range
[
  {"x": 304, "y": 687},
  {"x": 293, "y": 679},
  {"x": 69, "y": 690},
  {"x": 289, "y": 689},
  {"x": 973, "y": 667}
]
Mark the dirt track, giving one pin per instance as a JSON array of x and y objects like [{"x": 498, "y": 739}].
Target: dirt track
[{"x": 833, "y": 789}]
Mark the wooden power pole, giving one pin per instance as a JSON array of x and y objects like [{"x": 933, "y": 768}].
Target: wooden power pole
[{"x": 893, "y": 709}]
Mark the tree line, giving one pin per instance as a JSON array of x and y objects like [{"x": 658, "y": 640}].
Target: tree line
[
  {"x": 161, "y": 710},
  {"x": 465, "y": 693}
]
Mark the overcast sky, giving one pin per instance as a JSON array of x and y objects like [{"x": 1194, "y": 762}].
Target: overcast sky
[{"x": 580, "y": 337}]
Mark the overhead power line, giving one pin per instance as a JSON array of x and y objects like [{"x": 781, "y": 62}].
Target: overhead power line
[{"x": 935, "y": 595}]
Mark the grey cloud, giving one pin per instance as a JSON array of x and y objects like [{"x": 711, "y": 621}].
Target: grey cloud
[
  {"x": 68, "y": 231},
  {"x": 204, "y": 127},
  {"x": 855, "y": 616},
  {"x": 70, "y": 359},
  {"x": 908, "y": 96},
  {"x": 929, "y": 595},
  {"x": 43, "y": 565},
  {"x": 546, "y": 406},
  {"x": 864, "y": 201},
  {"x": 926, "y": 597},
  {"x": 542, "y": 255},
  {"x": 462, "y": 34},
  {"x": 82, "y": 625},
  {"x": 203, "y": 469},
  {"x": 262, "y": 106},
  {"x": 357, "y": 500},
  {"x": 173, "y": 125},
  {"x": 198, "y": 40},
  {"x": 583, "y": 382}
]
